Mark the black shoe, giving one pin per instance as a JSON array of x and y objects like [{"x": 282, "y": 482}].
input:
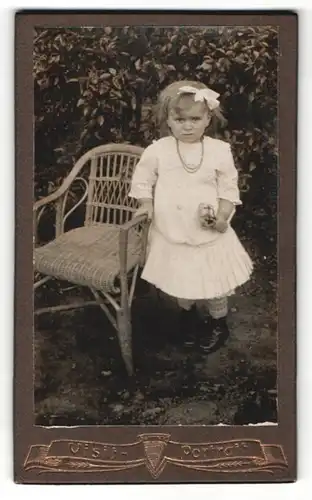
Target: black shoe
[
  {"x": 217, "y": 333},
  {"x": 187, "y": 325}
]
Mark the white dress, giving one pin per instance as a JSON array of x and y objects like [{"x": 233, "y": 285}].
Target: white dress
[{"x": 185, "y": 260}]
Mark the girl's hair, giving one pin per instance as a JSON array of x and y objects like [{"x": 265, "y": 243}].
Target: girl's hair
[{"x": 169, "y": 98}]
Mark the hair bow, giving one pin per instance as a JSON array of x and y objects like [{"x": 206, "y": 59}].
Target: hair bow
[{"x": 210, "y": 96}]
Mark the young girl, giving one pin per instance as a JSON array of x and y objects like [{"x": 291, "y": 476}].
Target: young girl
[{"x": 187, "y": 184}]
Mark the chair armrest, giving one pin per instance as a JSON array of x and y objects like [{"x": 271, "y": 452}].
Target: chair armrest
[
  {"x": 66, "y": 182},
  {"x": 50, "y": 198},
  {"x": 133, "y": 222},
  {"x": 57, "y": 198},
  {"x": 123, "y": 239},
  {"x": 123, "y": 244}
]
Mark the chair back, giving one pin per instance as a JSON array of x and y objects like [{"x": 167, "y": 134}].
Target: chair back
[{"x": 111, "y": 169}]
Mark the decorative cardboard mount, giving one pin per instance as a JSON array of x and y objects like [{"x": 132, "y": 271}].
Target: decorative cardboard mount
[
  {"x": 237, "y": 454},
  {"x": 154, "y": 451}
]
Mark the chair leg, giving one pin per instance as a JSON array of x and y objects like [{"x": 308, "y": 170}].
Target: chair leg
[{"x": 125, "y": 337}]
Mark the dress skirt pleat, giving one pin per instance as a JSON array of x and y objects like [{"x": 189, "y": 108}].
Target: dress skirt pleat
[{"x": 205, "y": 271}]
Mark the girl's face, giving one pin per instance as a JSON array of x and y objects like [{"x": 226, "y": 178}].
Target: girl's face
[{"x": 189, "y": 120}]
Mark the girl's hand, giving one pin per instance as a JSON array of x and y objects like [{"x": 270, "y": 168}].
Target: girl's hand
[
  {"x": 145, "y": 208},
  {"x": 220, "y": 225},
  {"x": 206, "y": 223}
]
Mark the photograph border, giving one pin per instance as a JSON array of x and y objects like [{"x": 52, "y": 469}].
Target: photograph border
[{"x": 160, "y": 454}]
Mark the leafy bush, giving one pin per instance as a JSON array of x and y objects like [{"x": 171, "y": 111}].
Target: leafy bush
[{"x": 97, "y": 85}]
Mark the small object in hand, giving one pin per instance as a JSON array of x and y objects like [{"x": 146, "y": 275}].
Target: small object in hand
[{"x": 207, "y": 213}]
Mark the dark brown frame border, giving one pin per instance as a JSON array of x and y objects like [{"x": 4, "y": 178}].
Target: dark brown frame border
[{"x": 128, "y": 456}]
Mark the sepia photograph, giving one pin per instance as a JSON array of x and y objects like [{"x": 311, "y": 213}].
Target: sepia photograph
[{"x": 155, "y": 186}]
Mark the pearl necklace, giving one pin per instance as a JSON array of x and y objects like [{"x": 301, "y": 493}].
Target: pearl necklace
[{"x": 191, "y": 169}]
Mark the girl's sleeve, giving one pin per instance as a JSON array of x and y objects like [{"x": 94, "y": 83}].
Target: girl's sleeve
[
  {"x": 227, "y": 177},
  {"x": 145, "y": 174}
]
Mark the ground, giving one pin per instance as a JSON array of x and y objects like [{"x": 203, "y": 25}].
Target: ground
[{"x": 80, "y": 377}]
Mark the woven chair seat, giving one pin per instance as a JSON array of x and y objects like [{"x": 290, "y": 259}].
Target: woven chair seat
[{"x": 87, "y": 256}]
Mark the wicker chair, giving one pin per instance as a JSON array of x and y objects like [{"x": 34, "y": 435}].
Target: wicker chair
[{"x": 105, "y": 254}]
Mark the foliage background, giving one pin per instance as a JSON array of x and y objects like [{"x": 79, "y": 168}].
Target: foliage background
[{"x": 99, "y": 85}]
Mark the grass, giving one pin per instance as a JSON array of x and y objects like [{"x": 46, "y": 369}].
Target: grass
[{"x": 80, "y": 378}]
